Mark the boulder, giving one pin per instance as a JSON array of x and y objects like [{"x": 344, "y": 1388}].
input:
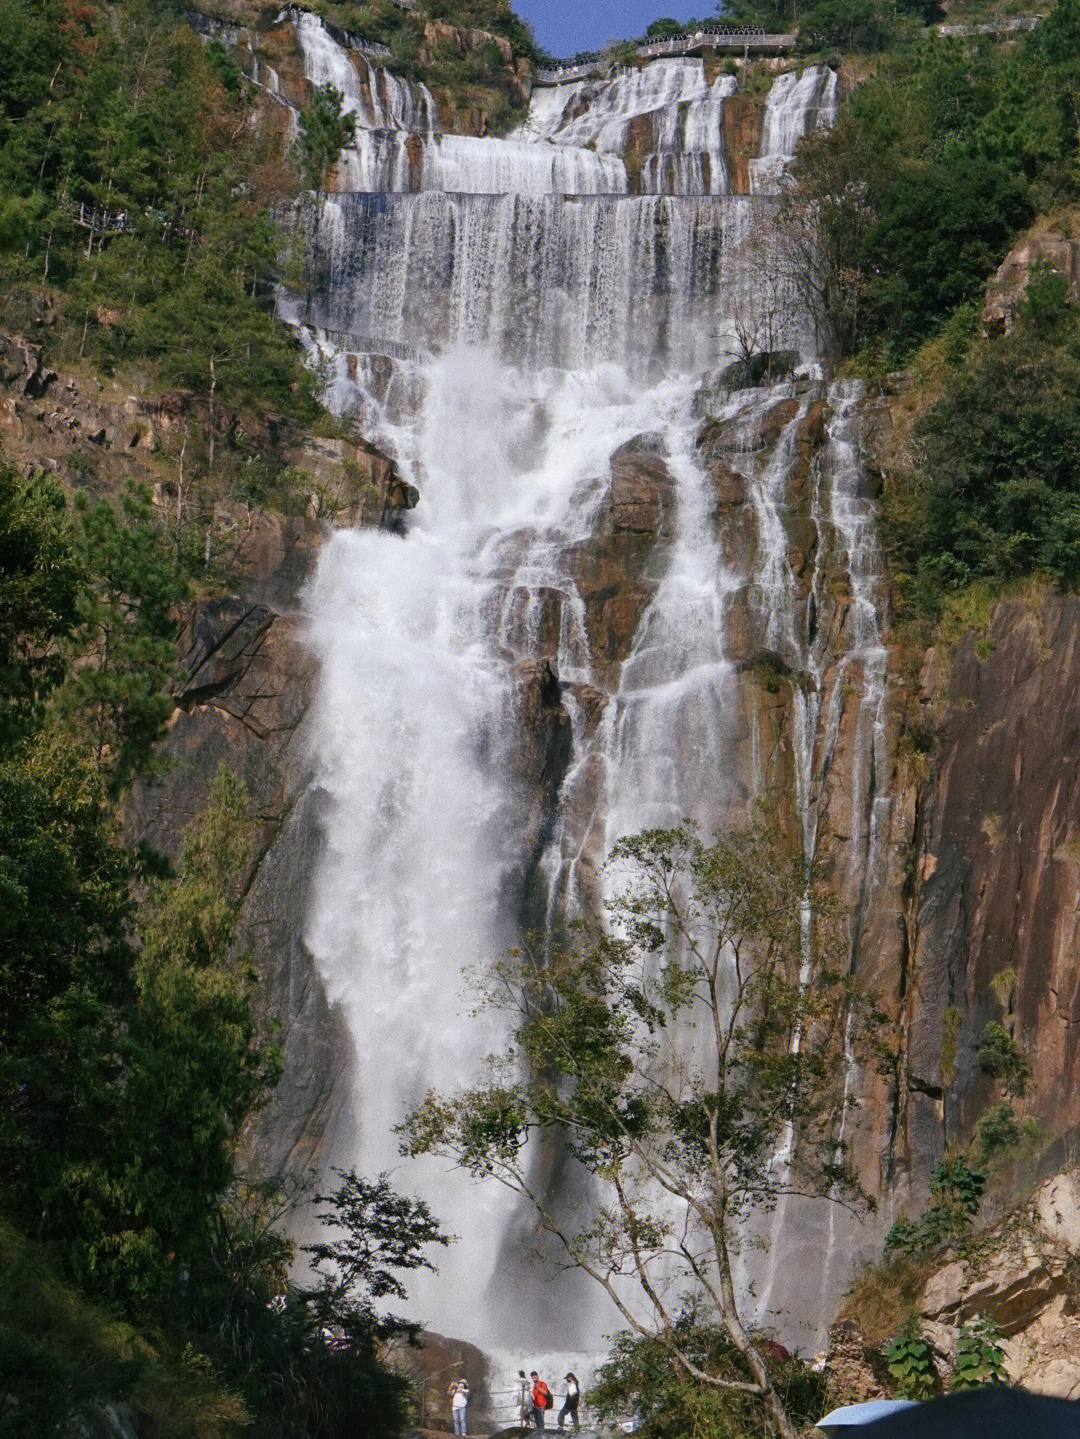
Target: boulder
[
  {"x": 1009, "y": 284},
  {"x": 1057, "y": 1203},
  {"x": 1013, "y": 1284},
  {"x": 642, "y": 488}
]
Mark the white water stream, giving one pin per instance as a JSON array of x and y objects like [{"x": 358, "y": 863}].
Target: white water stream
[{"x": 547, "y": 332}]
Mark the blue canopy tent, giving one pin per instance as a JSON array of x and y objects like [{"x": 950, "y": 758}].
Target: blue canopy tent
[
  {"x": 853, "y": 1416},
  {"x": 992, "y": 1412}
]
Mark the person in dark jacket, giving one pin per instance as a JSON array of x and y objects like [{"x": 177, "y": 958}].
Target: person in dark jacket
[{"x": 573, "y": 1395}]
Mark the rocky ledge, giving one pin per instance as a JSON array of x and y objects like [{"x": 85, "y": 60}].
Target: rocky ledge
[{"x": 1024, "y": 1273}]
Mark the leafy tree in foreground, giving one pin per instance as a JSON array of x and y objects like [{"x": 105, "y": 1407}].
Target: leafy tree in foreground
[
  {"x": 640, "y": 1377},
  {"x": 691, "y": 1059},
  {"x": 311, "y": 1358}
]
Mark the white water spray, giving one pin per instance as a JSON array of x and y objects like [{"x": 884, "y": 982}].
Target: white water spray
[{"x": 545, "y": 333}]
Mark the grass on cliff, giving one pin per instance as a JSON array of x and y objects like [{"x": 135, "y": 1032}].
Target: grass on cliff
[
  {"x": 60, "y": 1354},
  {"x": 883, "y": 1295}
]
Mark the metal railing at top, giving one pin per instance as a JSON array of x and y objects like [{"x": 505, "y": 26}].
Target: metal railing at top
[{"x": 751, "y": 38}]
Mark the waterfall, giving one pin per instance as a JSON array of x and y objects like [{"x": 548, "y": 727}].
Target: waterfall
[
  {"x": 543, "y": 321},
  {"x": 652, "y": 281},
  {"x": 796, "y": 104}
]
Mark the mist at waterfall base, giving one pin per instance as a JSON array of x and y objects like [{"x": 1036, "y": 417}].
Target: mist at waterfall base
[{"x": 515, "y": 339}]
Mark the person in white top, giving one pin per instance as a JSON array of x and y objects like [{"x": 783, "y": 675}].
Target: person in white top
[
  {"x": 459, "y": 1405},
  {"x": 573, "y": 1395}
]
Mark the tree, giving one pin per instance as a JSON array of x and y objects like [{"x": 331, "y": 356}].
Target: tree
[
  {"x": 641, "y": 1378},
  {"x": 40, "y": 579},
  {"x": 378, "y": 1233},
  {"x": 691, "y": 1059},
  {"x": 118, "y": 692},
  {"x": 310, "y": 1355},
  {"x": 64, "y": 970},
  {"x": 138, "y": 1204},
  {"x": 325, "y": 130}
]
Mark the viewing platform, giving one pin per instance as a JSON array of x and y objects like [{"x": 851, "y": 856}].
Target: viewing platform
[{"x": 726, "y": 38}]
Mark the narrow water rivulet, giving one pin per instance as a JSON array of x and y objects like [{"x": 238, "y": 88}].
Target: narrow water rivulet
[{"x": 557, "y": 647}]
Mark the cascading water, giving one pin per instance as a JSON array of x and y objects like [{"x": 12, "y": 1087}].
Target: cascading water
[{"x": 537, "y": 336}]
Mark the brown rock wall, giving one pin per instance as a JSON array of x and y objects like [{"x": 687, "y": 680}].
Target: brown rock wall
[
  {"x": 999, "y": 857},
  {"x": 743, "y": 115}
]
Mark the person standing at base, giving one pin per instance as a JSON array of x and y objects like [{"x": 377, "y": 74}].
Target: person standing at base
[
  {"x": 459, "y": 1406},
  {"x": 541, "y": 1399},
  {"x": 525, "y": 1404},
  {"x": 573, "y": 1395}
]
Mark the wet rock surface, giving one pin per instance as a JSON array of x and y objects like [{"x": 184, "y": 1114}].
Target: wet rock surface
[
  {"x": 999, "y": 856},
  {"x": 642, "y": 488}
]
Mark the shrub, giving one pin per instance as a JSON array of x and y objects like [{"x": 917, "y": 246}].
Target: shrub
[
  {"x": 1001, "y": 1057},
  {"x": 911, "y": 1362},
  {"x": 980, "y": 1358}
]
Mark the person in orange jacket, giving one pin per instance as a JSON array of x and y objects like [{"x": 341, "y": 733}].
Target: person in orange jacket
[{"x": 541, "y": 1398}]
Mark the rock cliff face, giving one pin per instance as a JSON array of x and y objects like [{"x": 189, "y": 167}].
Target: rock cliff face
[
  {"x": 1021, "y": 1272},
  {"x": 978, "y": 858},
  {"x": 996, "y": 862}
]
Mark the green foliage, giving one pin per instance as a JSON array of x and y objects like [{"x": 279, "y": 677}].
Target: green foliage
[
  {"x": 62, "y": 1358},
  {"x": 124, "y": 1074},
  {"x": 823, "y": 25},
  {"x": 65, "y": 975},
  {"x": 269, "y": 1332},
  {"x": 117, "y": 695},
  {"x": 380, "y": 1233},
  {"x": 193, "y": 1068},
  {"x": 137, "y": 178},
  {"x": 934, "y": 165},
  {"x": 955, "y": 1191},
  {"x": 1001, "y": 1057},
  {"x": 664, "y": 26},
  {"x": 1000, "y": 1137},
  {"x": 997, "y": 492},
  {"x": 641, "y": 1378},
  {"x": 704, "y": 936},
  {"x": 997, "y": 1131},
  {"x": 325, "y": 130},
  {"x": 905, "y": 1236},
  {"x": 40, "y": 577},
  {"x": 911, "y": 1363},
  {"x": 980, "y": 1357},
  {"x": 954, "y": 1183}
]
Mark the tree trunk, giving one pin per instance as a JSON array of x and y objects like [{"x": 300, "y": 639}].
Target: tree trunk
[
  {"x": 213, "y": 389},
  {"x": 774, "y": 1405},
  {"x": 180, "y": 497}
]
